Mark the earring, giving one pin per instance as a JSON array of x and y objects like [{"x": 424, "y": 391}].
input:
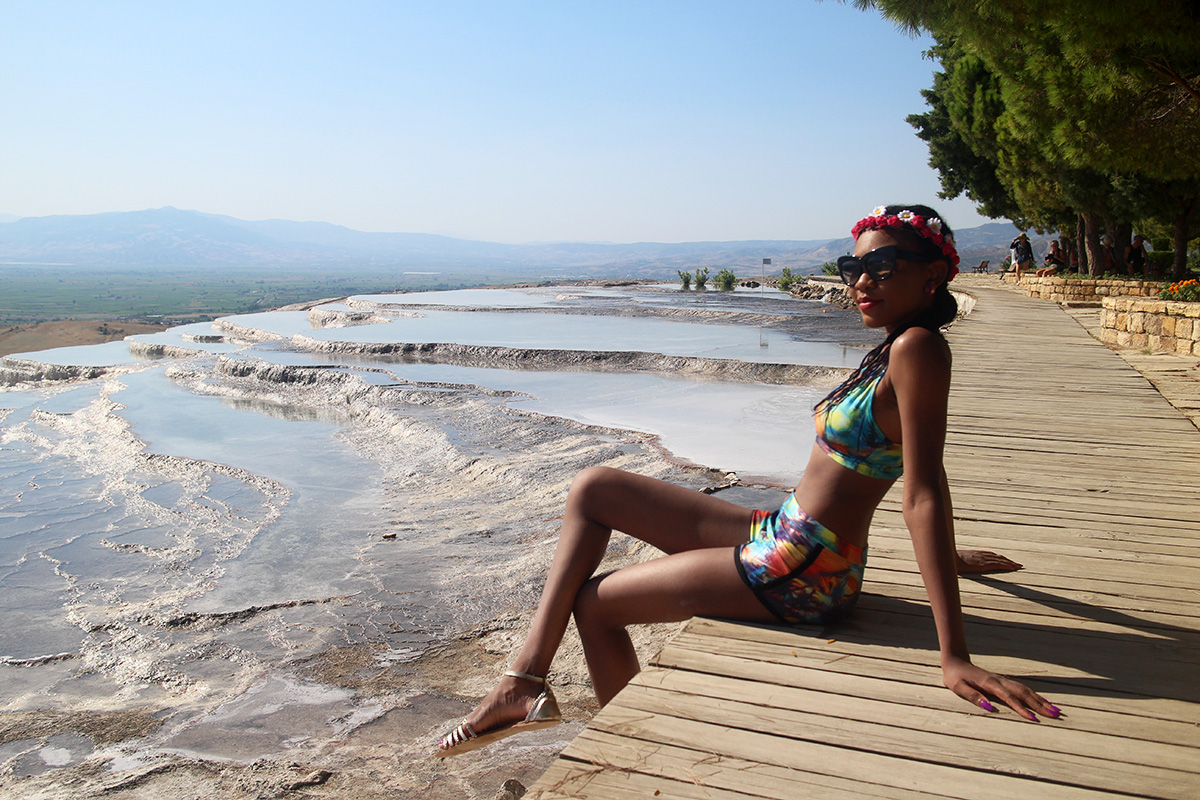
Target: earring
[{"x": 930, "y": 287}]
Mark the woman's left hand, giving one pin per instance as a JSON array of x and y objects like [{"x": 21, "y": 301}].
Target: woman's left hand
[
  {"x": 975, "y": 562},
  {"x": 975, "y": 685}
]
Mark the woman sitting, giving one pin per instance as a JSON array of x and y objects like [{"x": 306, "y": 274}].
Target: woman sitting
[
  {"x": 1054, "y": 260},
  {"x": 803, "y": 563}
]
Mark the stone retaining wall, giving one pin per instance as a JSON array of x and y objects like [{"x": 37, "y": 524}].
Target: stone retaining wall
[
  {"x": 1086, "y": 290},
  {"x": 1162, "y": 325}
]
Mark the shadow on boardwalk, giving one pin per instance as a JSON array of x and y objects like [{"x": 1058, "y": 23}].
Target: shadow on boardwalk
[{"x": 1061, "y": 456}]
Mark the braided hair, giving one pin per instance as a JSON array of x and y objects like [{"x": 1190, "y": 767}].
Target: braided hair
[{"x": 941, "y": 311}]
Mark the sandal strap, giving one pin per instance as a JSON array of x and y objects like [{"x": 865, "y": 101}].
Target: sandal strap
[
  {"x": 512, "y": 673},
  {"x": 463, "y": 733}
]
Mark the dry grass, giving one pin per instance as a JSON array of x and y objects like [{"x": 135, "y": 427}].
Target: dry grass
[{"x": 67, "y": 333}]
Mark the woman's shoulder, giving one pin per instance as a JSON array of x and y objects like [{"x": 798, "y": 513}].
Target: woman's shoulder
[
  {"x": 918, "y": 338},
  {"x": 920, "y": 345}
]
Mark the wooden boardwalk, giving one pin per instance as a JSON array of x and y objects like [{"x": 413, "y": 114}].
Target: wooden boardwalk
[{"x": 1060, "y": 456}]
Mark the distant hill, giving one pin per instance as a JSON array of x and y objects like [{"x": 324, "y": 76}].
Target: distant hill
[{"x": 170, "y": 237}]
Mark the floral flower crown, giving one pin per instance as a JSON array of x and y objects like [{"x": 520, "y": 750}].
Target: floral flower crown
[{"x": 930, "y": 229}]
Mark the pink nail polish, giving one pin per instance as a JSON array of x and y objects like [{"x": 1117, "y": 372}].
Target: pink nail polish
[{"x": 986, "y": 706}]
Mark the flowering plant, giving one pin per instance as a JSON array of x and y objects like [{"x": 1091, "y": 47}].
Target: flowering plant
[
  {"x": 930, "y": 229},
  {"x": 1187, "y": 291}
]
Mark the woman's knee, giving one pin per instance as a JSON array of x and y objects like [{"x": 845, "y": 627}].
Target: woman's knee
[
  {"x": 588, "y": 610},
  {"x": 588, "y": 480},
  {"x": 591, "y": 486}
]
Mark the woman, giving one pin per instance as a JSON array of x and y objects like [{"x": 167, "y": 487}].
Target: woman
[
  {"x": 1022, "y": 253},
  {"x": 1054, "y": 260},
  {"x": 804, "y": 562}
]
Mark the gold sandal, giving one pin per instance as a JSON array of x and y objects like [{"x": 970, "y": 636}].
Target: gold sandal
[{"x": 543, "y": 714}]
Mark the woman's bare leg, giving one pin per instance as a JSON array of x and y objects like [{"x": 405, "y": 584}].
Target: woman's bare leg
[
  {"x": 668, "y": 589},
  {"x": 671, "y": 518}
]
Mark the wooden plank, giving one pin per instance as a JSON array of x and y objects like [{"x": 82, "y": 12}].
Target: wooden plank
[
  {"x": 1133, "y": 686},
  {"x": 998, "y": 781},
  {"x": 772, "y": 666},
  {"x": 1105, "y": 576},
  {"x": 568, "y": 778},
  {"x": 686, "y": 764},
  {"x": 982, "y": 596},
  {"x": 916, "y": 709},
  {"x": 930, "y": 737}
]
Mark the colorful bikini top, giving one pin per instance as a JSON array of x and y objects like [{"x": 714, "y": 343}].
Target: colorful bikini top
[{"x": 848, "y": 433}]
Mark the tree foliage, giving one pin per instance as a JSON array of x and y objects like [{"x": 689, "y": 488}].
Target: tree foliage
[{"x": 1047, "y": 111}]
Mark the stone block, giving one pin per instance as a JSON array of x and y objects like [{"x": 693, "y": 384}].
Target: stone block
[
  {"x": 1139, "y": 341},
  {"x": 1184, "y": 328},
  {"x": 1122, "y": 321},
  {"x": 1166, "y": 344},
  {"x": 1166, "y": 326},
  {"x": 1153, "y": 341},
  {"x": 1152, "y": 324},
  {"x": 1137, "y": 322},
  {"x": 1185, "y": 347},
  {"x": 1124, "y": 338}
]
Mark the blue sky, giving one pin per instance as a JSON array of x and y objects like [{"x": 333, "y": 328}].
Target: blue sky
[{"x": 504, "y": 121}]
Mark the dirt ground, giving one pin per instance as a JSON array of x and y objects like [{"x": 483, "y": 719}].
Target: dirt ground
[{"x": 68, "y": 333}]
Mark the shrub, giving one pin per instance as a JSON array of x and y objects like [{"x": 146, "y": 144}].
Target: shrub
[
  {"x": 1187, "y": 291},
  {"x": 685, "y": 278},
  {"x": 725, "y": 280},
  {"x": 701, "y": 278},
  {"x": 829, "y": 268},
  {"x": 1160, "y": 261},
  {"x": 786, "y": 279}
]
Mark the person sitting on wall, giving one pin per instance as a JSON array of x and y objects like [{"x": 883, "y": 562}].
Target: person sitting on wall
[{"x": 1054, "y": 260}]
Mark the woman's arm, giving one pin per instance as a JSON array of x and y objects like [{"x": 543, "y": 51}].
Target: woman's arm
[{"x": 920, "y": 375}]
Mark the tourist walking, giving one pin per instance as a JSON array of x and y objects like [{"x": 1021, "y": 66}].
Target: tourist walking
[{"x": 802, "y": 563}]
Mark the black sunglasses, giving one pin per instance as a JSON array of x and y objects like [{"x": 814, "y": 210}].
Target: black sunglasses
[{"x": 879, "y": 264}]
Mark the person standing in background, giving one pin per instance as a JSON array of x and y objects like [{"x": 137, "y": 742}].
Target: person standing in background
[{"x": 1022, "y": 252}]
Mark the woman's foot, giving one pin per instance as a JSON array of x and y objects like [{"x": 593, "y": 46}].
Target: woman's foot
[{"x": 519, "y": 702}]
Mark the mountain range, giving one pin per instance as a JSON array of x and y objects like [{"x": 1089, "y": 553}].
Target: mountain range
[{"x": 171, "y": 237}]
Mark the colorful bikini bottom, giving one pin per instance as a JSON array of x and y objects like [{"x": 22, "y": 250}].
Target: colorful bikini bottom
[{"x": 800, "y": 570}]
